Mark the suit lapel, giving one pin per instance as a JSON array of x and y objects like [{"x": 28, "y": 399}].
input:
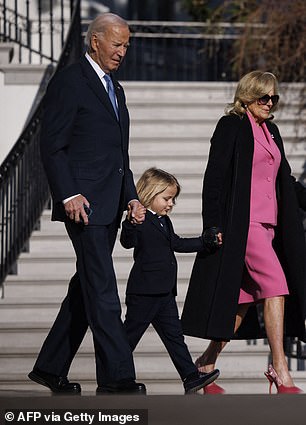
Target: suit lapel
[
  {"x": 265, "y": 145},
  {"x": 96, "y": 85},
  {"x": 270, "y": 140},
  {"x": 153, "y": 218},
  {"x": 263, "y": 142}
]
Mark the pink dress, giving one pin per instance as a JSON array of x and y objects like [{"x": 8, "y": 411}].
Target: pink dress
[{"x": 264, "y": 276}]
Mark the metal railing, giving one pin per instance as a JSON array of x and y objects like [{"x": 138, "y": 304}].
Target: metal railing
[
  {"x": 180, "y": 51},
  {"x": 295, "y": 349},
  {"x": 24, "y": 189},
  {"x": 37, "y": 31}
]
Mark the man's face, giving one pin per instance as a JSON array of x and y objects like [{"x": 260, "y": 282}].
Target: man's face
[{"x": 109, "y": 48}]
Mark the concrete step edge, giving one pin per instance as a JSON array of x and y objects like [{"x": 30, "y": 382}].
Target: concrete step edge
[
  {"x": 142, "y": 351},
  {"x": 251, "y": 377},
  {"x": 62, "y": 256}
]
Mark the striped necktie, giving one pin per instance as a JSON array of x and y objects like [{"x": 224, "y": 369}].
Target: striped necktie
[{"x": 111, "y": 93}]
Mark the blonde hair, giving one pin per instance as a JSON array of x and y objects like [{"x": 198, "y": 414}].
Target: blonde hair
[
  {"x": 251, "y": 87},
  {"x": 100, "y": 25},
  {"x": 153, "y": 182}
]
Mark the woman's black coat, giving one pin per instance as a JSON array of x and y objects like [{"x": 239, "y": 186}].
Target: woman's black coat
[{"x": 212, "y": 298}]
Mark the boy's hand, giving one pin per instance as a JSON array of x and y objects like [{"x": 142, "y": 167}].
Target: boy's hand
[
  {"x": 212, "y": 238},
  {"x": 136, "y": 212}
]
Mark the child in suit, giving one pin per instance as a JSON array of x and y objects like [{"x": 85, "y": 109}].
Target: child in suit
[{"x": 152, "y": 283}]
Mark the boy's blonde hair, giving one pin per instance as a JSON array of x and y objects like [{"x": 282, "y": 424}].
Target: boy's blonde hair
[{"x": 153, "y": 182}]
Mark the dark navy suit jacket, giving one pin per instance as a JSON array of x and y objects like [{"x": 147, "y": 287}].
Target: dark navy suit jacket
[
  {"x": 155, "y": 266},
  {"x": 84, "y": 148}
]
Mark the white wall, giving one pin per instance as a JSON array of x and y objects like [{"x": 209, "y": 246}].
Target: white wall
[
  {"x": 15, "y": 104},
  {"x": 18, "y": 82}
]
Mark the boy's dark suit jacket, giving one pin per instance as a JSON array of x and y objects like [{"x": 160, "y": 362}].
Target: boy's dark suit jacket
[
  {"x": 84, "y": 147},
  {"x": 155, "y": 267}
]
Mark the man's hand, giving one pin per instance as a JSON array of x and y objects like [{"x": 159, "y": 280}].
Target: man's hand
[
  {"x": 75, "y": 209},
  {"x": 136, "y": 212}
]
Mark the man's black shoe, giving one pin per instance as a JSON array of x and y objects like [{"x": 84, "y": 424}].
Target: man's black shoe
[
  {"x": 57, "y": 384},
  {"x": 122, "y": 387},
  {"x": 195, "y": 381}
]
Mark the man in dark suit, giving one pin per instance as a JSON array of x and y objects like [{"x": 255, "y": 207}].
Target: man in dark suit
[{"x": 84, "y": 147}]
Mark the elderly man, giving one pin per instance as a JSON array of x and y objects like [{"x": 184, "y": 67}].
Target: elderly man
[{"x": 84, "y": 146}]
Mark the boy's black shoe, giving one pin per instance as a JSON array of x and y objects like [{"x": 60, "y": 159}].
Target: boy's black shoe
[{"x": 197, "y": 380}]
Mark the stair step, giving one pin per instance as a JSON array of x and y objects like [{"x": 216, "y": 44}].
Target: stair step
[
  {"x": 120, "y": 254},
  {"x": 64, "y": 263},
  {"x": 46, "y": 240},
  {"x": 21, "y": 74},
  {"x": 45, "y": 288},
  {"x": 6, "y": 53},
  {"x": 44, "y": 309},
  {"x": 179, "y": 166},
  {"x": 165, "y": 91},
  {"x": 158, "y": 360},
  {"x": 233, "y": 383},
  {"x": 184, "y": 223},
  {"x": 198, "y": 147},
  {"x": 172, "y": 128},
  {"x": 26, "y": 336},
  {"x": 188, "y": 109}
]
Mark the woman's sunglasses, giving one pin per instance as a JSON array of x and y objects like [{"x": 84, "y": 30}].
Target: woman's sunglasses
[{"x": 265, "y": 99}]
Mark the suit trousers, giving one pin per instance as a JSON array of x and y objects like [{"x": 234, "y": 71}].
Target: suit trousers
[
  {"x": 162, "y": 312},
  {"x": 93, "y": 300}
]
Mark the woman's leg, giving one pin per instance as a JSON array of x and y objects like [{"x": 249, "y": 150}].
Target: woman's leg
[
  {"x": 206, "y": 362},
  {"x": 274, "y": 325}
]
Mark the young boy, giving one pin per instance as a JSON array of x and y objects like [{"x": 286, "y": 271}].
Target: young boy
[{"x": 152, "y": 283}]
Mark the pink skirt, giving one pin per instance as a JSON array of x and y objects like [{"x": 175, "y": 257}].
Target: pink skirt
[{"x": 264, "y": 276}]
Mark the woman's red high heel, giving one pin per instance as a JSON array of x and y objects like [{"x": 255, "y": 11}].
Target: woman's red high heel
[
  {"x": 213, "y": 388},
  {"x": 273, "y": 378}
]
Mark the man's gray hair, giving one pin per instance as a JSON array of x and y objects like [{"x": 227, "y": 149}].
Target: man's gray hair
[{"x": 101, "y": 23}]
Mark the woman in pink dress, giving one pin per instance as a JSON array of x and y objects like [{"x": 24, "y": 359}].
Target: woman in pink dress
[{"x": 251, "y": 215}]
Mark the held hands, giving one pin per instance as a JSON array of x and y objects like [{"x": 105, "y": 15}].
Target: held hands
[
  {"x": 136, "y": 212},
  {"x": 75, "y": 209},
  {"x": 212, "y": 238}
]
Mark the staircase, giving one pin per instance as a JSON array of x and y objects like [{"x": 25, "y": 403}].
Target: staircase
[{"x": 171, "y": 124}]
